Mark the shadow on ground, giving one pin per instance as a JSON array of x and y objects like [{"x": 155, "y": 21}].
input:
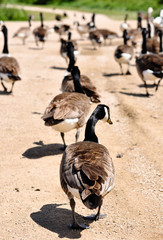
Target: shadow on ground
[
  {"x": 43, "y": 150},
  {"x": 56, "y": 219}
]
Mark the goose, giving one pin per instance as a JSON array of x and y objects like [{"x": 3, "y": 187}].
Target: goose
[
  {"x": 104, "y": 33},
  {"x": 9, "y": 66},
  {"x": 86, "y": 170},
  {"x": 63, "y": 48},
  {"x": 152, "y": 43},
  {"x": 107, "y": 34},
  {"x": 124, "y": 53},
  {"x": 135, "y": 35},
  {"x": 87, "y": 86},
  {"x": 149, "y": 66},
  {"x": 41, "y": 33},
  {"x": 24, "y": 32},
  {"x": 96, "y": 38},
  {"x": 68, "y": 111},
  {"x": 125, "y": 25},
  {"x": 61, "y": 29},
  {"x": 82, "y": 29}
]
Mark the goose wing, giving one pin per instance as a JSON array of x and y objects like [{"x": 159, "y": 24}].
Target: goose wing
[
  {"x": 87, "y": 167},
  {"x": 66, "y": 105}
]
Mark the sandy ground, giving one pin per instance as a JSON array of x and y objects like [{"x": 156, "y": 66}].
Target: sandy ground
[{"x": 32, "y": 203}]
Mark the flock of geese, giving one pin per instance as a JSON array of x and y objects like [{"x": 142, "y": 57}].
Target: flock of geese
[{"x": 86, "y": 169}]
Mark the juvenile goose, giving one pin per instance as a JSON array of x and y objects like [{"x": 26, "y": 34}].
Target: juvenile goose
[
  {"x": 9, "y": 66},
  {"x": 87, "y": 170},
  {"x": 124, "y": 53},
  {"x": 149, "y": 66},
  {"x": 68, "y": 111},
  {"x": 24, "y": 32},
  {"x": 40, "y": 33},
  {"x": 63, "y": 48},
  {"x": 87, "y": 86}
]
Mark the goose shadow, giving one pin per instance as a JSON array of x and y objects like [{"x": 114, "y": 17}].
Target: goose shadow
[
  {"x": 58, "y": 68},
  {"x": 112, "y": 74},
  {"x": 56, "y": 219},
  {"x": 148, "y": 85},
  {"x": 43, "y": 150},
  {"x": 6, "y": 93},
  {"x": 142, "y": 95}
]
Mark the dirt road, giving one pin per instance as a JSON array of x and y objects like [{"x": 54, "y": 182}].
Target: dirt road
[{"x": 32, "y": 204}]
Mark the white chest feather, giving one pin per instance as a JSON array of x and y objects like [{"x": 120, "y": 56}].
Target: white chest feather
[
  {"x": 125, "y": 57},
  {"x": 148, "y": 75},
  {"x": 66, "y": 125},
  {"x": 5, "y": 77},
  {"x": 74, "y": 192}
]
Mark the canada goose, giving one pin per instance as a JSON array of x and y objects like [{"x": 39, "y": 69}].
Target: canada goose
[
  {"x": 41, "y": 33},
  {"x": 62, "y": 29},
  {"x": 9, "y": 66},
  {"x": 24, "y": 32},
  {"x": 124, "y": 53},
  {"x": 63, "y": 48},
  {"x": 87, "y": 86},
  {"x": 107, "y": 34},
  {"x": 149, "y": 66},
  {"x": 151, "y": 42},
  {"x": 96, "y": 38},
  {"x": 125, "y": 25},
  {"x": 82, "y": 29},
  {"x": 87, "y": 170},
  {"x": 68, "y": 111}
]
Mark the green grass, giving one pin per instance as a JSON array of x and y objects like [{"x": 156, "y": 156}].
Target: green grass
[{"x": 115, "y": 9}]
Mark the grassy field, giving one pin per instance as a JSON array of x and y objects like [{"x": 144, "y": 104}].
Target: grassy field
[{"x": 115, "y": 9}]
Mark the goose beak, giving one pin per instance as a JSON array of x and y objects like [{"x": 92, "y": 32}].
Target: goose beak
[{"x": 109, "y": 121}]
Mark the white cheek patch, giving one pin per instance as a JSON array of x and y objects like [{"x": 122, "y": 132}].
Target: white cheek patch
[{"x": 106, "y": 117}]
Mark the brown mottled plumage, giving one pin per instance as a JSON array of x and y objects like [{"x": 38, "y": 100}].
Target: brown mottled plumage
[
  {"x": 87, "y": 170},
  {"x": 87, "y": 86},
  {"x": 9, "y": 66},
  {"x": 68, "y": 111},
  {"x": 40, "y": 33}
]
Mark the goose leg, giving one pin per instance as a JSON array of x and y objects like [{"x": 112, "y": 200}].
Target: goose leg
[
  {"x": 77, "y": 134},
  {"x": 12, "y": 87},
  {"x": 147, "y": 94},
  {"x": 128, "y": 72},
  {"x": 157, "y": 85},
  {"x": 75, "y": 224},
  {"x": 63, "y": 139},
  {"x": 121, "y": 68},
  {"x": 5, "y": 89}
]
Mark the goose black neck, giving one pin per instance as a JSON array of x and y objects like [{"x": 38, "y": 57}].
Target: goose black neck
[
  {"x": 76, "y": 80},
  {"x": 5, "y": 33},
  {"x": 41, "y": 17},
  {"x": 90, "y": 129},
  {"x": 149, "y": 30},
  {"x": 160, "y": 36},
  {"x": 126, "y": 17},
  {"x": 29, "y": 21},
  {"x": 139, "y": 19},
  {"x": 144, "y": 44},
  {"x": 125, "y": 37},
  {"x": 70, "y": 53},
  {"x": 69, "y": 36}
]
